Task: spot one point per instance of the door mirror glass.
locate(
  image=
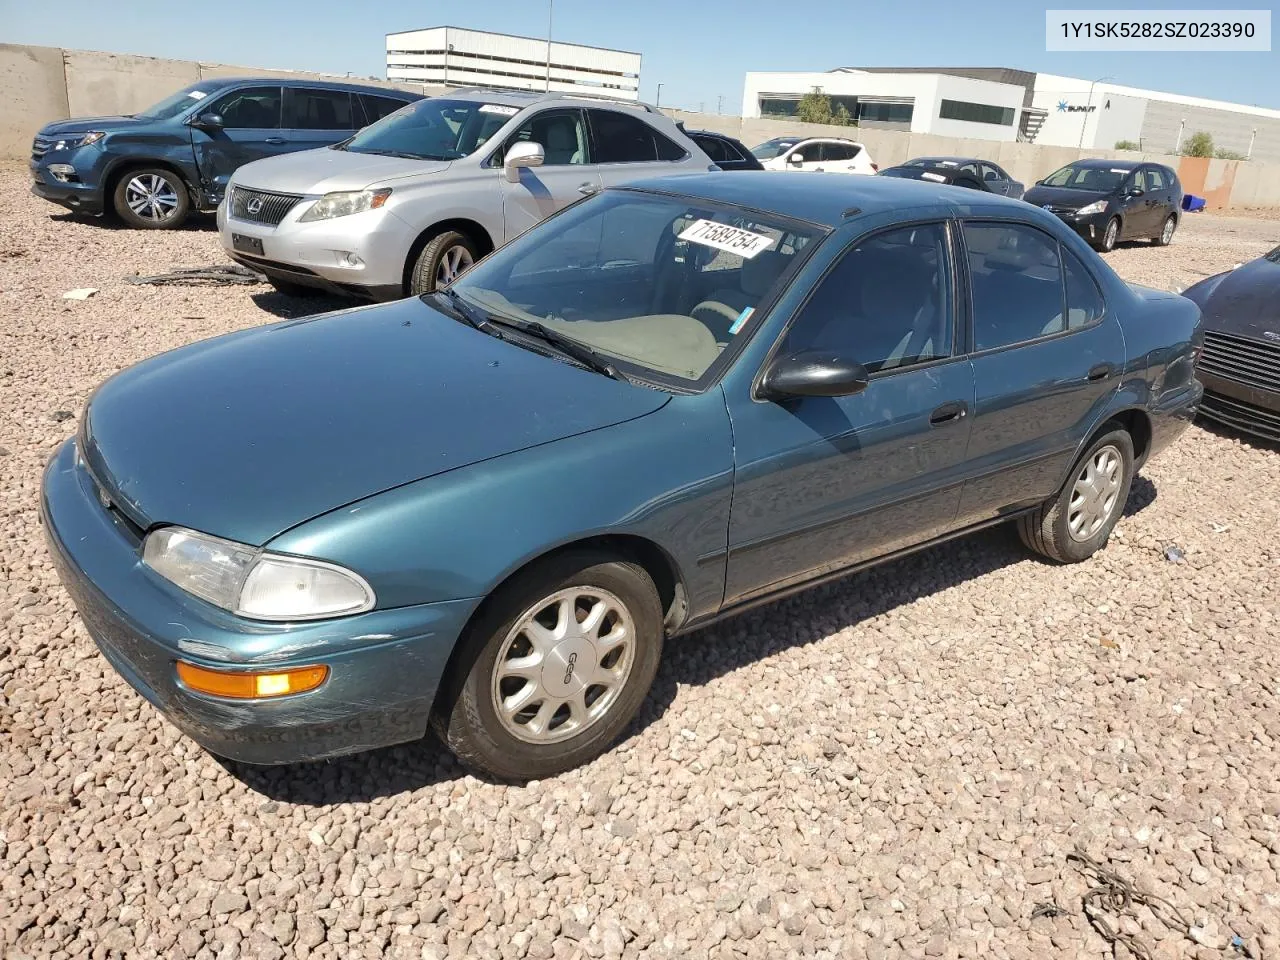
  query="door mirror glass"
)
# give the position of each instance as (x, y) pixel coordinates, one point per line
(796, 158)
(815, 373)
(1136, 191)
(208, 121)
(523, 154)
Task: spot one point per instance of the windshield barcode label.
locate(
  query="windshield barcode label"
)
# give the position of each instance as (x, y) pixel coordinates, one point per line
(724, 237)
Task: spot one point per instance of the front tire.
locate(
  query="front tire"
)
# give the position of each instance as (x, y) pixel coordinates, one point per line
(1165, 236)
(152, 198)
(554, 668)
(1077, 523)
(1109, 236)
(445, 258)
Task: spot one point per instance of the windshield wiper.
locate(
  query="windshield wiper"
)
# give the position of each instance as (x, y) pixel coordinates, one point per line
(470, 315)
(571, 348)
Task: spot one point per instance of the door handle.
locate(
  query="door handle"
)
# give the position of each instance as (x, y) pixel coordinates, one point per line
(948, 413)
(587, 189)
(1101, 372)
(276, 141)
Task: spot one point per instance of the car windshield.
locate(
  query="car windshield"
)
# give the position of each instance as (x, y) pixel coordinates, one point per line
(1075, 176)
(175, 104)
(435, 129)
(772, 148)
(662, 283)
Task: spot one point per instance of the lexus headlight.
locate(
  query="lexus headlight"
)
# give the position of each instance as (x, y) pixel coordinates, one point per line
(345, 203)
(1096, 207)
(80, 140)
(254, 583)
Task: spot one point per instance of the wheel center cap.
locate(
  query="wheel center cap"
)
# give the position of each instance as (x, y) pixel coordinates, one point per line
(568, 666)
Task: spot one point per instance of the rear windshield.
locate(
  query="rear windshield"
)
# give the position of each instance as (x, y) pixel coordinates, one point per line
(1075, 176)
(435, 129)
(176, 104)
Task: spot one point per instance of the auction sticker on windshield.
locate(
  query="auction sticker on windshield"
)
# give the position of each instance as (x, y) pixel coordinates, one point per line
(724, 237)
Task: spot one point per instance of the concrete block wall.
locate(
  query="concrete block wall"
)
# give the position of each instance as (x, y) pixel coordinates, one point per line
(49, 83)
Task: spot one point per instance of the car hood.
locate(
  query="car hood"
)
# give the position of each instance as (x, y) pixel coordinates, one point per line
(63, 128)
(248, 435)
(326, 169)
(1063, 197)
(1245, 301)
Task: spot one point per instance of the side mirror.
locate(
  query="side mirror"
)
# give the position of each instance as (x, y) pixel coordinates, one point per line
(1136, 192)
(208, 122)
(796, 158)
(524, 154)
(814, 373)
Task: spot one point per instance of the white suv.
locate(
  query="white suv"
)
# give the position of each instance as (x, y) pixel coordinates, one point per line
(412, 201)
(815, 155)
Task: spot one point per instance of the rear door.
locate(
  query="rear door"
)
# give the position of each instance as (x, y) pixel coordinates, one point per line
(994, 178)
(1163, 198)
(1047, 357)
(566, 174)
(251, 130)
(315, 117)
(625, 148)
(376, 107)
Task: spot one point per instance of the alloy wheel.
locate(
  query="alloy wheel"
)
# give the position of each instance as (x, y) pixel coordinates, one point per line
(563, 665)
(151, 197)
(1113, 231)
(1167, 233)
(1096, 490)
(453, 264)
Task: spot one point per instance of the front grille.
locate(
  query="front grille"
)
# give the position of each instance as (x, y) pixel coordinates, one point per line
(1241, 416)
(1061, 211)
(260, 206)
(1255, 363)
(40, 146)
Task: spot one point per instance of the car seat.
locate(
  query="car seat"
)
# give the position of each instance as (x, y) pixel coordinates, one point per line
(722, 309)
(559, 138)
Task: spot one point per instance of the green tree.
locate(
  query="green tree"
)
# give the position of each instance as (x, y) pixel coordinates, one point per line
(1127, 145)
(1222, 153)
(1199, 145)
(815, 107)
(842, 117)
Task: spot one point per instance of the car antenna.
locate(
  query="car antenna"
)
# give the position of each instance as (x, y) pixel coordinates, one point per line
(851, 212)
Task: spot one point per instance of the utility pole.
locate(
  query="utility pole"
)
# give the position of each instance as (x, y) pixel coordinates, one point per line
(719, 103)
(551, 7)
(658, 102)
(1085, 122)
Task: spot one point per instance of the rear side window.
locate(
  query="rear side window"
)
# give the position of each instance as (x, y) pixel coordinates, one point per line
(250, 108)
(1085, 305)
(623, 138)
(309, 109)
(839, 151)
(375, 108)
(1016, 279)
(713, 148)
(1155, 179)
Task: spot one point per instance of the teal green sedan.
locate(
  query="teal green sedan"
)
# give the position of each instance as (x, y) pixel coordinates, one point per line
(484, 510)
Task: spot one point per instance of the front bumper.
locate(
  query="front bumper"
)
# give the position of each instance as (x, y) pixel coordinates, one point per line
(1241, 406)
(82, 197)
(385, 665)
(1091, 227)
(319, 253)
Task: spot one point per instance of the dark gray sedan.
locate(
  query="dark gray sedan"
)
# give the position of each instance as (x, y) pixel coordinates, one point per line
(991, 174)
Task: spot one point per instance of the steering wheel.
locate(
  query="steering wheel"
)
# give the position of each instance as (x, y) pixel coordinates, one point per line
(716, 311)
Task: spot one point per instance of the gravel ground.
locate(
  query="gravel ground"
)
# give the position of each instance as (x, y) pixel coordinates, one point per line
(894, 765)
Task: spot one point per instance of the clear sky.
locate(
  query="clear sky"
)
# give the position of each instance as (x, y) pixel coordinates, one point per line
(697, 51)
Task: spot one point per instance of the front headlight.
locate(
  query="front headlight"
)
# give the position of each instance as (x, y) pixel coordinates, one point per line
(1098, 206)
(345, 203)
(80, 140)
(254, 583)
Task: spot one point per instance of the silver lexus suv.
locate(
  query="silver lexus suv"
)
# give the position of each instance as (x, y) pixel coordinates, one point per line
(413, 200)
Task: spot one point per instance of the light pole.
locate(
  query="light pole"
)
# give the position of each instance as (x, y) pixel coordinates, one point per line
(551, 8)
(1252, 137)
(1177, 147)
(719, 103)
(1085, 122)
(658, 102)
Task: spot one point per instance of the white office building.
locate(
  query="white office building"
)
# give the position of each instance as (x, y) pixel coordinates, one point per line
(993, 103)
(453, 57)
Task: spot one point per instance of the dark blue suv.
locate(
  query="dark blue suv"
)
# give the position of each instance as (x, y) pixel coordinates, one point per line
(153, 167)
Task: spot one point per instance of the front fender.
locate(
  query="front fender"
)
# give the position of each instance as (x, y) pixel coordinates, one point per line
(666, 477)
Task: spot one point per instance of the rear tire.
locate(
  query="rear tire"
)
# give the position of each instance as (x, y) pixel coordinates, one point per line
(1109, 236)
(1077, 523)
(151, 198)
(1165, 236)
(553, 669)
(445, 258)
(291, 289)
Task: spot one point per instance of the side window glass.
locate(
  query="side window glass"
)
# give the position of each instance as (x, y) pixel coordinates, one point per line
(990, 173)
(970, 168)
(250, 108)
(306, 109)
(625, 138)
(1017, 284)
(1085, 305)
(670, 150)
(714, 149)
(561, 133)
(1155, 181)
(886, 304)
(375, 108)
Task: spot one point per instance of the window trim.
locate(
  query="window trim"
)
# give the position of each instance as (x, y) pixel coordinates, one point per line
(971, 340)
(955, 355)
(654, 131)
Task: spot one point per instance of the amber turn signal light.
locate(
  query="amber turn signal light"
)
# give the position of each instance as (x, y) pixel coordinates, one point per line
(240, 685)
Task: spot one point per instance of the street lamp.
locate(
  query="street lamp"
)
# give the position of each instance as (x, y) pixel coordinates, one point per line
(658, 102)
(1085, 122)
(551, 7)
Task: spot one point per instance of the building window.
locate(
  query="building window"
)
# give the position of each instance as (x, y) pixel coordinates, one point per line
(884, 112)
(976, 112)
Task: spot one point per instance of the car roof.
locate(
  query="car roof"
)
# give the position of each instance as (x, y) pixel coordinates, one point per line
(941, 160)
(521, 99)
(825, 198)
(1094, 163)
(222, 83)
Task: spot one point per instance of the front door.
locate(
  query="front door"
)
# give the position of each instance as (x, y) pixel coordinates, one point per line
(822, 483)
(251, 130)
(1047, 359)
(566, 174)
